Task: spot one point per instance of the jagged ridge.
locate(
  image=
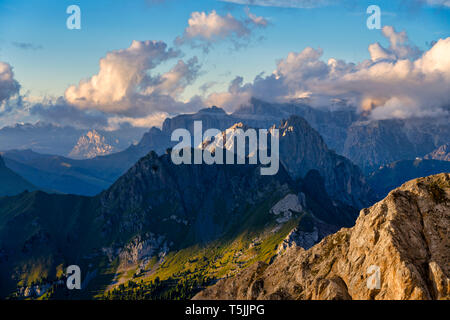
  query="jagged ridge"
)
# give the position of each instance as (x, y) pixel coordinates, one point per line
(405, 235)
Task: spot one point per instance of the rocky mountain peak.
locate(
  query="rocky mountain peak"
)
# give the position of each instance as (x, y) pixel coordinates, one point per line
(441, 153)
(398, 249)
(91, 145)
(302, 149)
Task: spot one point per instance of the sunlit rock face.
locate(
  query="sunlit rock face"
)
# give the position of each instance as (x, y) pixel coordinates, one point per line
(398, 249)
(91, 145)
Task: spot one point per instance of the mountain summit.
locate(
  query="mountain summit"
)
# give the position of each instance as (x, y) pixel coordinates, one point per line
(91, 145)
(403, 239)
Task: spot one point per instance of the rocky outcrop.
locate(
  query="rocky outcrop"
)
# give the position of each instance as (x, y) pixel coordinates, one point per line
(91, 145)
(442, 153)
(398, 249)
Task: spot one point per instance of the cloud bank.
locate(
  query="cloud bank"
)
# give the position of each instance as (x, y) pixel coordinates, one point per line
(397, 82)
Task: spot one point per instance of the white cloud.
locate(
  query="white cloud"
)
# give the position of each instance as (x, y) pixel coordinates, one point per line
(8, 85)
(258, 21)
(173, 82)
(153, 120)
(204, 29)
(396, 82)
(125, 86)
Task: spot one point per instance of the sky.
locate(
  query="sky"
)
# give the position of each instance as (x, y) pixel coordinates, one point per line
(139, 61)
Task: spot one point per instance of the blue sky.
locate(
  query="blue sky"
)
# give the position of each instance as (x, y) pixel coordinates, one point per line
(58, 57)
(69, 55)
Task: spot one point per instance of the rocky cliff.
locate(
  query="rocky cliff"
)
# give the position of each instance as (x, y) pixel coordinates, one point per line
(91, 145)
(442, 153)
(398, 249)
(302, 149)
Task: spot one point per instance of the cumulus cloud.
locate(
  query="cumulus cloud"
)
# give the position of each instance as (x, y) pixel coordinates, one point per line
(9, 87)
(398, 81)
(204, 29)
(125, 86)
(399, 46)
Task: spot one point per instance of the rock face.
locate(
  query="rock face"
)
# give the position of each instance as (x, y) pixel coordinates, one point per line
(153, 140)
(202, 201)
(441, 153)
(370, 144)
(398, 249)
(90, 146)
(302, 149)
(331, 124)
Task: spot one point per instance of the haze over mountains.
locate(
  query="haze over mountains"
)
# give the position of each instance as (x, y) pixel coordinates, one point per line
(49, 138)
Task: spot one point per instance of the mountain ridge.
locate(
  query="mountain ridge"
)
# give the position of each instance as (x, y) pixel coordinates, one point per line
(11, 183)
(402, 236)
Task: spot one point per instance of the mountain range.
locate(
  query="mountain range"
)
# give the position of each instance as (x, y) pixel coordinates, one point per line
(48, 138)
(157, 212)
(141, 227)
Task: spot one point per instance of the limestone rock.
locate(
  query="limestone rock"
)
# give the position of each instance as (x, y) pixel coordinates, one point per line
(403, 240)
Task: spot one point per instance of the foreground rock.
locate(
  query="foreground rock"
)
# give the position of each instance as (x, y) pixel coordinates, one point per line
(405, 236)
